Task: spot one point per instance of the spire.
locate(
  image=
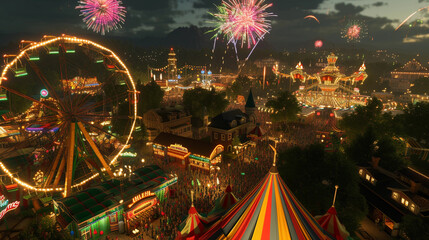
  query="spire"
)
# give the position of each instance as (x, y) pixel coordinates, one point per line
(335, 195)
(250, 103)
(362, 68)
(274, 168)
(299, 66)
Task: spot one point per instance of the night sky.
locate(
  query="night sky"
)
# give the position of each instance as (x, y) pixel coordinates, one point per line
(290, 29)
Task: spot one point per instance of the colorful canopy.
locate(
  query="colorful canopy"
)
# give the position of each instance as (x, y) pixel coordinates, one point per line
(269, 211)
(332, 224)
(193, 226)
(222, 204)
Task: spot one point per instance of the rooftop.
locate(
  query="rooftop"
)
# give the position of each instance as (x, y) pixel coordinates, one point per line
(223, 120)
(199, 147)
(89, 203)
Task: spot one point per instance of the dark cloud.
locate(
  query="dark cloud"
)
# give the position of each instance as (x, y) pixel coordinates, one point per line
(206, 4)
(143, 17)
(379, 4)
(277, 4)
(157, 17)
(348, 9)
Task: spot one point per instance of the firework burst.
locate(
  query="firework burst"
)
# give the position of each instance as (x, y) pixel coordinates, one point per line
(102, 15)
(354, 31)
(318, 44)
(244, 21)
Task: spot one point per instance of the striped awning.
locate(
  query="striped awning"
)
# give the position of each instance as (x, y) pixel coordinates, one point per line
(269, 211)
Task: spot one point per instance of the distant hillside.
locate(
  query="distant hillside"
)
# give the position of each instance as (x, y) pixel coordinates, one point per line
(190, 37)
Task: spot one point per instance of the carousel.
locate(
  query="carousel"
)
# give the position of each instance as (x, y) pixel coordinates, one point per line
(329, 88)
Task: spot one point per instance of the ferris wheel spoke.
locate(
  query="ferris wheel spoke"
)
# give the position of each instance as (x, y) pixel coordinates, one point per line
(54, 166)
(44, 80)
(20, 122)
(30, 98)
(95, 149)
(96, 127)
(101, 103)
(105, 116)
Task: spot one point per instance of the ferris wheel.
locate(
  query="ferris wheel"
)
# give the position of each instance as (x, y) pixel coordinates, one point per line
(73, 106)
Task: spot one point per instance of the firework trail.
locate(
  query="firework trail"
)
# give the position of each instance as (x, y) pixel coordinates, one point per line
(406, 19)
(312, 17)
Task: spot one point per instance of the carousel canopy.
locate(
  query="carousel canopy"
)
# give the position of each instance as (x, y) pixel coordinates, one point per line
(332, 224)
(269, 211)
(222, 204)
(193, 226)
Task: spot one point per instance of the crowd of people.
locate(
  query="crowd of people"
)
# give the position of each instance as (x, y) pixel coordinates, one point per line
(202, 188)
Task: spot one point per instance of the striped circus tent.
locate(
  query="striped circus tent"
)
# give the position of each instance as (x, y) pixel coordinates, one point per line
(269, 211)
(332, 224)
(193, 226)
(222, 204)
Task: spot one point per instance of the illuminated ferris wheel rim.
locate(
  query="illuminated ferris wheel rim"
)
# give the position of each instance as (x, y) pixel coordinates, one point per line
(74, 40)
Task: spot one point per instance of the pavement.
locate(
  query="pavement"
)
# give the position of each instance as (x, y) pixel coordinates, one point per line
(370, 231)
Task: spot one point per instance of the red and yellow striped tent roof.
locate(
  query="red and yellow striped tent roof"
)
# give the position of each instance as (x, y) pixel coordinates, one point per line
(269, 211)
(193, 226)
(332, 224)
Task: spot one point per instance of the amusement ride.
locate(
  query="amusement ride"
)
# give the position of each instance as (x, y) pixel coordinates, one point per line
(64, 96)
(329, 88)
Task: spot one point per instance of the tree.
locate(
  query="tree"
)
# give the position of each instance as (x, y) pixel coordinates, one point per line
(43, 228)
(238, 87)
(415, 227)
(151, 96)
(375, 72)
(371, 115)
(200, 102)
(365, 146)
(286, 107)
(416, 121)
(311, 174)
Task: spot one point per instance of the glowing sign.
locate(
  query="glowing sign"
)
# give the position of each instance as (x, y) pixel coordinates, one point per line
(44, 93)
(141, 196)
(9, 207)
(143, 206)
(178, 147)
(128, 154)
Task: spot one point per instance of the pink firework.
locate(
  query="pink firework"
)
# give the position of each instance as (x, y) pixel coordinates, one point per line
(318, 44)
(244, 20)
(353, 32)
(102, 15)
